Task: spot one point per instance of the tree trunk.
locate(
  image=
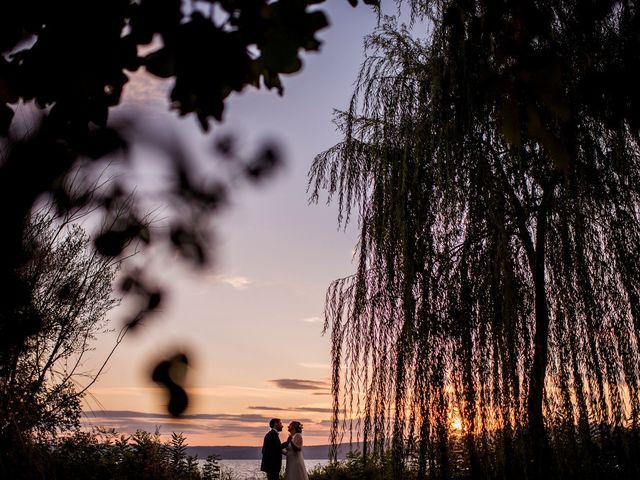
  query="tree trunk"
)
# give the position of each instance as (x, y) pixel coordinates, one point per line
(536, 380)
(537, 434)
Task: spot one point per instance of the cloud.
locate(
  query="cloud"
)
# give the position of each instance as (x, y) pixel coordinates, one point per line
(322, 366)
(116, 415)
(356, 422)
(260, 407)
(219, 429)
(315, 409)
(143, 91)
(297, 384)
(218, 426)
(293, 409)
(238, 282)
(311, 320)
(124, 414)
(128, 422)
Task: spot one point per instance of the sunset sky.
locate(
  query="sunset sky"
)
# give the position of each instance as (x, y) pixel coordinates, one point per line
(251, 324)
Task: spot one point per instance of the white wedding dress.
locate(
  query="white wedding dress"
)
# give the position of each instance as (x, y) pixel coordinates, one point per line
(295, 469)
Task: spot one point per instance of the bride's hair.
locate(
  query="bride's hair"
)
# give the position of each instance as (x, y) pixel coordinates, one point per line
(297, 426)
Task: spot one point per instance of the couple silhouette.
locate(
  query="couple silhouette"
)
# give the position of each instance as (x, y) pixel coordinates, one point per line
(273, 450)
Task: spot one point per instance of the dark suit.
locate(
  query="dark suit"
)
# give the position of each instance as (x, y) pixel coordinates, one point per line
(272, 455)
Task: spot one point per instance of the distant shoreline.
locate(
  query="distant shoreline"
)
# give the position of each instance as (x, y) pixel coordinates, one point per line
(311, 452)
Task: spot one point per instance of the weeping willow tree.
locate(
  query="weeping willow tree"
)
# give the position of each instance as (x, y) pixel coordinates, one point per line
(492, 327)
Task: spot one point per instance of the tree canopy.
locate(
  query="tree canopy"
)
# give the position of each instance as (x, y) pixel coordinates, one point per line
(72, 291)
(79, 68)
(494, 164)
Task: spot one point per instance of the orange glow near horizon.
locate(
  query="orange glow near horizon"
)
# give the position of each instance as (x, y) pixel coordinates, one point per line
(221, 416)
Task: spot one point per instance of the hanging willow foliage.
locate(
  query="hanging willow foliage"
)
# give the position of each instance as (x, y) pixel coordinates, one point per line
(492, 327)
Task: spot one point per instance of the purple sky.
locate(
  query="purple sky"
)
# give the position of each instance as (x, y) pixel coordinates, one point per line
(252, 323)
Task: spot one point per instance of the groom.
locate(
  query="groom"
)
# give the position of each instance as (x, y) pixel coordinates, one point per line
(272, 450)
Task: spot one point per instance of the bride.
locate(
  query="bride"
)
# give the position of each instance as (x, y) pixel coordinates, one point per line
(295, 469)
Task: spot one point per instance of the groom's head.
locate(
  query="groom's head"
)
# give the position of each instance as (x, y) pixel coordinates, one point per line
(276, 423)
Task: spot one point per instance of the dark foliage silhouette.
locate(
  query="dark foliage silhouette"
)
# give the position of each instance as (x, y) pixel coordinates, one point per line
(171, 375)
(72, 292)
(106, 454)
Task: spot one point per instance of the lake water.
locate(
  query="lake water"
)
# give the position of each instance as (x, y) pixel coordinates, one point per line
(250, 469)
